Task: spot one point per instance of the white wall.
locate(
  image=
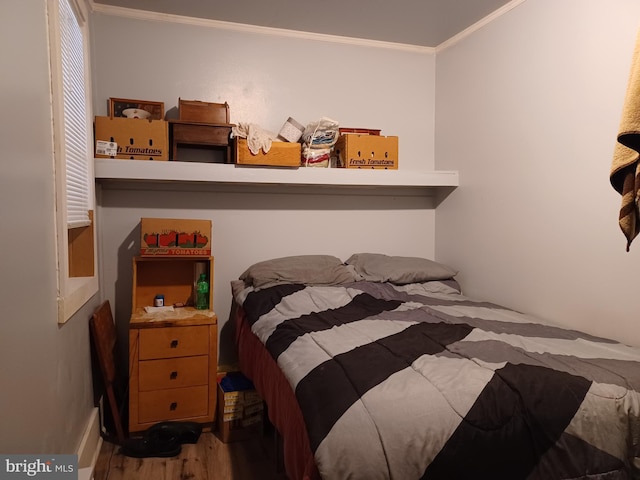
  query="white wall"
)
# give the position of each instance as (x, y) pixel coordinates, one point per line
(46, 381)
(265, 79)
(527, 110)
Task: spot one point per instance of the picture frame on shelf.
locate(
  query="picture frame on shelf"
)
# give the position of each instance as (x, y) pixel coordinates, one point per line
(126, 107)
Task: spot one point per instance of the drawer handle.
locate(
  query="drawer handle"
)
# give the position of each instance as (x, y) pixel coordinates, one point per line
(174, 343)
(173, 406)
(173, 375)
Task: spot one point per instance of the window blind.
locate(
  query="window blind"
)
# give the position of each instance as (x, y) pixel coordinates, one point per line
(75, 118)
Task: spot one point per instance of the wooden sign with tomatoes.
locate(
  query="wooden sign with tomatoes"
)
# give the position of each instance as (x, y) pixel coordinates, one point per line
(173, 237)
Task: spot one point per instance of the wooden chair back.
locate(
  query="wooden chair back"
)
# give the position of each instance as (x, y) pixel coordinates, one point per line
(103, 333)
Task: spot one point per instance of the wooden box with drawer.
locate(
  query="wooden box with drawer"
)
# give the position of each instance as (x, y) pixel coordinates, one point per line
(172, 355)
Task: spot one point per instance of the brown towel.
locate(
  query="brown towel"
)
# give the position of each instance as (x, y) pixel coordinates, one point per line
(625, 169)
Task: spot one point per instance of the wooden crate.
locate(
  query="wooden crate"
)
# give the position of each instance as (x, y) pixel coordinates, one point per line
(240, 414)
(166, 237)
(203, 112)
(173, 277)
(367, 151)
(136, 139)
(361, 131)
(281, 154)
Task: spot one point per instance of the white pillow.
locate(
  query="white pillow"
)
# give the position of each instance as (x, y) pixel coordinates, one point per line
(305, 269)
(377, 267)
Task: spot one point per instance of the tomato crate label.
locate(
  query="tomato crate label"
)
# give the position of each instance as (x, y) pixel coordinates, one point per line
(171, 237)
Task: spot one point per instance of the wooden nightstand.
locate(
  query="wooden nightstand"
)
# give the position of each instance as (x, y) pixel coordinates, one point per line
(173, 356)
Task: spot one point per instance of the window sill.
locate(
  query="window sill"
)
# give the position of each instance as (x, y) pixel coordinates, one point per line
(78, 291)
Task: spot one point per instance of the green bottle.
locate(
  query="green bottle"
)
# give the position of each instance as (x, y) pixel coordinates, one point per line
(202, 293)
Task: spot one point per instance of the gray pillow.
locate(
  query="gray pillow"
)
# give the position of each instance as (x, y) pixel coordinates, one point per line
(306, 269)
(377, 267)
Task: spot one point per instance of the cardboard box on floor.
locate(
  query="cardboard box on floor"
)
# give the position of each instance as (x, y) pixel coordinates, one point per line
(240, 414)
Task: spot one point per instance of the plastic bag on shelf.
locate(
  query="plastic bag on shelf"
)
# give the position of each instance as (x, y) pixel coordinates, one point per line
(321, 134)
(316, 157)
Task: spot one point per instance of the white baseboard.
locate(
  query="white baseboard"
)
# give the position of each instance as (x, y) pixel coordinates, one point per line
(90, 446)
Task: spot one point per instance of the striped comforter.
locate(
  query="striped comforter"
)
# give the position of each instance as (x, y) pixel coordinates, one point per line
(419, 381)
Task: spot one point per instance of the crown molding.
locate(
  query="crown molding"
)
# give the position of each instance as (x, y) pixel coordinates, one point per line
(478, 25)
(253, 29)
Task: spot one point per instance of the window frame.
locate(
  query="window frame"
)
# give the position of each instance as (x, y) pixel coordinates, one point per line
(72, 291)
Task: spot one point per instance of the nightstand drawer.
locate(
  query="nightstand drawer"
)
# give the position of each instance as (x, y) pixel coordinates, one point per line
(174, 342)
(173, 373)
(158, 405)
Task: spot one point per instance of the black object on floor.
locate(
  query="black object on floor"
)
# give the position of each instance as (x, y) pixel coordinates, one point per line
(151, 446)
(163, 439)
(184, 432)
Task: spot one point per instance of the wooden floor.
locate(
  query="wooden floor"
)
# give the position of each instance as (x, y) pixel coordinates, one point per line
(209, 459)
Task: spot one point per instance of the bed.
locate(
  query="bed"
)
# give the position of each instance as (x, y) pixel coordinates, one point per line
(379, 367)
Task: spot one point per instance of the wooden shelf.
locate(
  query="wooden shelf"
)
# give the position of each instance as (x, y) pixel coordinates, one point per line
(189, 173)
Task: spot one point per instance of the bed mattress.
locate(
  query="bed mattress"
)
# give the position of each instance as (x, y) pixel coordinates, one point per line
(418, 381)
